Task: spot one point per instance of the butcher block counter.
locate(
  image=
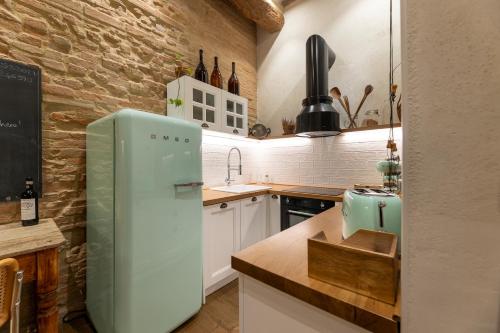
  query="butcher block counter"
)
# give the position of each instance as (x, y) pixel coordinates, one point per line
(211, 197)
(280, 262)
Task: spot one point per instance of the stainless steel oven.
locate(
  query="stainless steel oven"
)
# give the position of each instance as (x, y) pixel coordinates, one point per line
(295, 209)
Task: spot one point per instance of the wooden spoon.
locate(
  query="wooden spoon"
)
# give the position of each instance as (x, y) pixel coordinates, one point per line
(351, 124)
(368, 91)
(335, 92)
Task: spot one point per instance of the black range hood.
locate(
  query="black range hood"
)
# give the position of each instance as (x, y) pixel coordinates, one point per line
(318, 116)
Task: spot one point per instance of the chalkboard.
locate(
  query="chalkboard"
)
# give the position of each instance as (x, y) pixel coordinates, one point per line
(20, 128)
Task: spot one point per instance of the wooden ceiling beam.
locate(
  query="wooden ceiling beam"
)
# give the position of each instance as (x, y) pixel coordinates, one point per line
(265, 13)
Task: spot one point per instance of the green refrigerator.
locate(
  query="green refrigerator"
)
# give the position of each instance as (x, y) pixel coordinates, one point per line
(144, 222)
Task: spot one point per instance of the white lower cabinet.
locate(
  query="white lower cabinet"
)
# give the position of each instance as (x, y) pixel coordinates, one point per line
(253, 220)
(228, 228)
(274, 214)
(221, 238)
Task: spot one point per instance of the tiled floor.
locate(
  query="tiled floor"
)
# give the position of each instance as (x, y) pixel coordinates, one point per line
(218, 315)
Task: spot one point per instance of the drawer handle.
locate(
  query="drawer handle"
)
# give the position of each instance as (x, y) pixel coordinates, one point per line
(235, 131)
(204, 125)
(274, 196)
(223, 205)
(296, 212)
(254, 199)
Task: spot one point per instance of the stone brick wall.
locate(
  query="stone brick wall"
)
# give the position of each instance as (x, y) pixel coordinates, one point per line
(98, 56)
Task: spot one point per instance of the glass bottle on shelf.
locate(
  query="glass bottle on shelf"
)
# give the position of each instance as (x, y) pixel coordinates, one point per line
(201, 73)
(216, 77)
(233, 85)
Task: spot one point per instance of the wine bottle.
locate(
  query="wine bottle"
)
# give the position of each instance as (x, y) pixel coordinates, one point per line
(233, 85)
(201, 73)
(216, 77)
(29, 204)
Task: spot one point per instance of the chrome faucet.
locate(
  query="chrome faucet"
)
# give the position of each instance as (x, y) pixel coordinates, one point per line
(229, 168)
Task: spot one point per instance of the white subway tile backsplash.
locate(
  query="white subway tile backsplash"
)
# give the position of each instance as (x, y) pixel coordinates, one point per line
(321, 180)
(306, 164)
(343, 160)
(308, 180)
(323, 163)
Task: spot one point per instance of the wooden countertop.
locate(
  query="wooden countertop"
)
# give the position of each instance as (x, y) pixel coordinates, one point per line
(16, 240)
(211, 197)
(281, 262)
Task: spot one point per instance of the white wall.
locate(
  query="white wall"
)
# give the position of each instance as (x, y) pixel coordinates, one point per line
(357, 31)
(342, 160)
(451, 214)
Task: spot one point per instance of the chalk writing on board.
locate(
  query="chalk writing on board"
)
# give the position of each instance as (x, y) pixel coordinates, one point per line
(14, 72)
(9, 124)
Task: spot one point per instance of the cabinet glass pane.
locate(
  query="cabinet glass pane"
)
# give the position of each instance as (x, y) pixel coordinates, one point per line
(197, 95)
(230, 121)
(239, 108)
(210, 99)
(210, 116)
(230, 106)
(197, 113)
(239, 122)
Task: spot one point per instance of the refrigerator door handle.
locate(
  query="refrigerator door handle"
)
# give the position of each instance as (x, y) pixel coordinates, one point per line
(192, 184)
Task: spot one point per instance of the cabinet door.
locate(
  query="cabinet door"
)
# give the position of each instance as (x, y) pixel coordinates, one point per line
(221, 238)
(274, 214)
(253, 220)
(234, 114)
(202, 104)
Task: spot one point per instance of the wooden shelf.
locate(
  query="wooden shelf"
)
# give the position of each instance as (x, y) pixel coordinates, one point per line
(345, 130)
(359, 129)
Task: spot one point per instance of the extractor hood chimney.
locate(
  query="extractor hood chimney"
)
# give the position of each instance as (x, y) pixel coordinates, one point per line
(318, 117)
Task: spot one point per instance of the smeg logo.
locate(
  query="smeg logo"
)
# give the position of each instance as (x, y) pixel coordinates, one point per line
(167, 138)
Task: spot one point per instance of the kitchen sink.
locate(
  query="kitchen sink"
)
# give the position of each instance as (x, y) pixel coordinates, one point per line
(241, 188)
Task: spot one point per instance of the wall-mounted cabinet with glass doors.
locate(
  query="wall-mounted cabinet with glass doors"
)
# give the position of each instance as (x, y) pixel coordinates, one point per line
(210, 107)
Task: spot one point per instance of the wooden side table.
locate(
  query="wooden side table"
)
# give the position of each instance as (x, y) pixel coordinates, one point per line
(36, 249)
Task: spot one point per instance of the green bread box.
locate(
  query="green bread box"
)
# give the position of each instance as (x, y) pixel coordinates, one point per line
(372, 209)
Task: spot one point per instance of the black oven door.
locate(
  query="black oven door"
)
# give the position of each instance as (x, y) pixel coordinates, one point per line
(296, 216)
(295, 210)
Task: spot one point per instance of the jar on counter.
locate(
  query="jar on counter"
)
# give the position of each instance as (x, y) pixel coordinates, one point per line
(371, 118)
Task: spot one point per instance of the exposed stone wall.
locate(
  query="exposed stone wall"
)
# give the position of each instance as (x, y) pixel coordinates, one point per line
(98, 56)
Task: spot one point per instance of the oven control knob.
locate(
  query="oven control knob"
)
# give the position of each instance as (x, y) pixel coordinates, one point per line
(322, 205)
(287, 200)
